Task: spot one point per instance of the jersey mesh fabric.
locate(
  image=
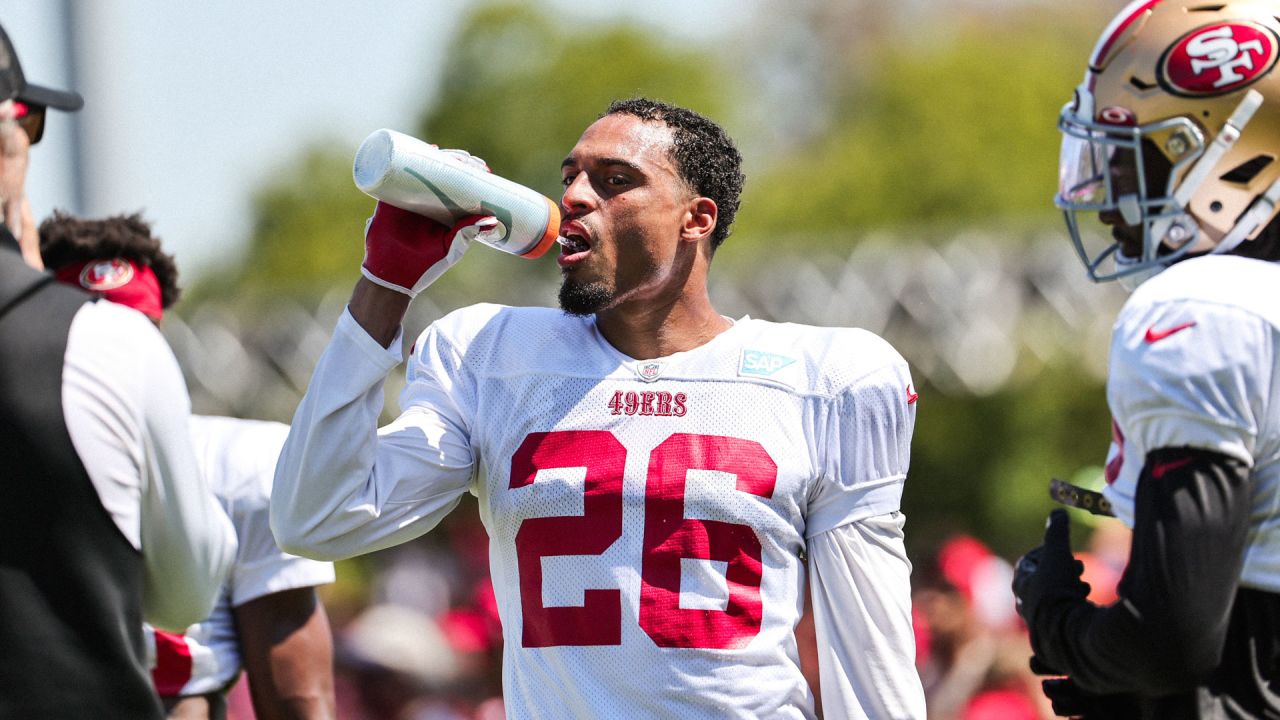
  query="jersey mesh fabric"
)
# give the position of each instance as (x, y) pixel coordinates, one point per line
(1194, 364)
(647, 518)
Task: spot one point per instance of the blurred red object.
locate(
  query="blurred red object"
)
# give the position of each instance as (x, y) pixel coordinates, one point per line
(239, 703)
(983, 577)
(1000, 705)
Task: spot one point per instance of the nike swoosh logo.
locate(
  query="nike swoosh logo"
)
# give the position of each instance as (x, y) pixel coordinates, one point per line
(1158, 471)
(1154, 335)
(912, 395)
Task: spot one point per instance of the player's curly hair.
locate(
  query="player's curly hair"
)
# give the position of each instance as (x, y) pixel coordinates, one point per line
(704, 154)
(66, 239)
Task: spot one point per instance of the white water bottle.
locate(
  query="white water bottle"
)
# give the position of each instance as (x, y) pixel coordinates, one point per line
(412, 175)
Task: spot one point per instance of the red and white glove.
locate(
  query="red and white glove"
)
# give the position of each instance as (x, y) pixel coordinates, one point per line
(406, 252)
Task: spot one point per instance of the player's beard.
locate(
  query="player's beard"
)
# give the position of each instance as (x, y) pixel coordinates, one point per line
(584, 299)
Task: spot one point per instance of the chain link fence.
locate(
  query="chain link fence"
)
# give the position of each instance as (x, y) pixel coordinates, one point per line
(970, 316)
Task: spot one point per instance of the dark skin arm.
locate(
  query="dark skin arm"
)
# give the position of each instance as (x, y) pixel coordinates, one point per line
(378, 310)
(288, 655)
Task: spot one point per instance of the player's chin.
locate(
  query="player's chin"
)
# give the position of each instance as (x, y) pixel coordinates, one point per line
(1128, 238)
(583, 298)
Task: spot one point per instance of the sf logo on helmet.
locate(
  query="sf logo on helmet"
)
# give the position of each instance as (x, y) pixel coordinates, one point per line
(1218, 59)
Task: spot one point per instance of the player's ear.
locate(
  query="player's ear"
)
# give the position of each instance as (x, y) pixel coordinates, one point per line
(699, 219)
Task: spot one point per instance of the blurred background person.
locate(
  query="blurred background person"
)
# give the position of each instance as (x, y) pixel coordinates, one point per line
(400, 666)
(106, 519)
(973, 652)
(268, 619)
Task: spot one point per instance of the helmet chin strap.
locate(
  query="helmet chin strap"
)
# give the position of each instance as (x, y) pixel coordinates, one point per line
(1199, 172)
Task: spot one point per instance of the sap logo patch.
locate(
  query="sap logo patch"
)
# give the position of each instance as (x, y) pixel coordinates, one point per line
(758, 363)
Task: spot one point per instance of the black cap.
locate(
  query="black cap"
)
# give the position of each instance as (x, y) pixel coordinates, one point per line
(14, 85)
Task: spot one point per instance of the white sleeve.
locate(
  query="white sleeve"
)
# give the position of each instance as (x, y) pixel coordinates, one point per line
(860, 581)
(343, 487)
(127, 410)
(866, 449)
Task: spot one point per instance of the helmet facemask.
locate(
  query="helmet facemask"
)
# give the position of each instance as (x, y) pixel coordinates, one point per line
(1165, 152)
(1115, 175)
(1139, 180)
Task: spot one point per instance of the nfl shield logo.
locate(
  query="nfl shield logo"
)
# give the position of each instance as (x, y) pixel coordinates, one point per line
(649, 371)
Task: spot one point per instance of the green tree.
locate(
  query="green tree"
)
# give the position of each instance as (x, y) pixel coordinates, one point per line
(306, 230)
(947, 124)
(982, 465)
(518, 90)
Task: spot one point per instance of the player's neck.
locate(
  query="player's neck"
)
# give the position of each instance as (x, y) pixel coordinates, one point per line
(647, 330)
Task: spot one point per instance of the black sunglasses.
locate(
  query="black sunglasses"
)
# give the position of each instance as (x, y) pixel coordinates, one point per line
(31, 119)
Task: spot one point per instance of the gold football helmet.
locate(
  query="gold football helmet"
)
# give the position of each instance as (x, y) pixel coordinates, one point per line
(1172, 138)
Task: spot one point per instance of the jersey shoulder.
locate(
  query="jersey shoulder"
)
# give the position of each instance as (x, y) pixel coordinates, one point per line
(1203, 315)
(834, 359)
(1193, 356)
(1234, 284)
(502, 338)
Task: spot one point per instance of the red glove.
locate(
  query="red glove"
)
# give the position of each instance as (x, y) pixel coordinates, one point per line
(406, 252)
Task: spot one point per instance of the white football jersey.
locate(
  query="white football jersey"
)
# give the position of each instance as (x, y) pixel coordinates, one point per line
(648, 519)
(1194, 364)
(238, 458)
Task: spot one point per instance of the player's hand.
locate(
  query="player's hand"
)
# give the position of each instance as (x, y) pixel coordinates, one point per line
(1050, 572)
(406, 252)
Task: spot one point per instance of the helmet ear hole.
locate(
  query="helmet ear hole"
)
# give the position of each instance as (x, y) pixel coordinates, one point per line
(1248, 170)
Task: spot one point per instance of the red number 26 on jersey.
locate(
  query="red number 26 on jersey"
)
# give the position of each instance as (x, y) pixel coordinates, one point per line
(669, 537)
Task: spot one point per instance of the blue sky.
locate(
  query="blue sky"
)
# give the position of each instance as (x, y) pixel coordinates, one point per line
(189, 107)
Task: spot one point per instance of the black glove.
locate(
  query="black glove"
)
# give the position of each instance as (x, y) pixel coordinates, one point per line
(1048, 573)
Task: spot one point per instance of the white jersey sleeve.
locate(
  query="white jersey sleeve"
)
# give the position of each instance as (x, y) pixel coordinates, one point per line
(126, 410)
(860, 587)
(343, 487)
(860, 576)
(867, 444)
(1204, 386)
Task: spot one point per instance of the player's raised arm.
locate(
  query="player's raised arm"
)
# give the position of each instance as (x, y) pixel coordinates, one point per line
(342, 488)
